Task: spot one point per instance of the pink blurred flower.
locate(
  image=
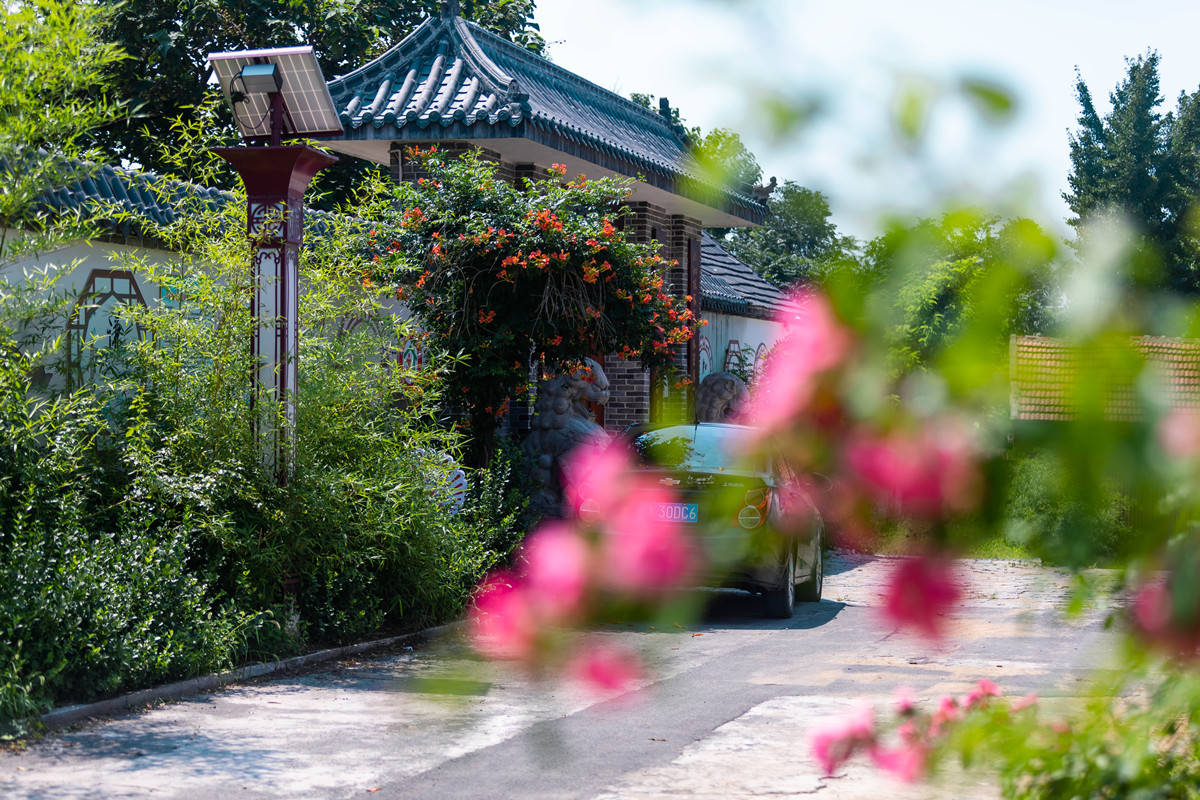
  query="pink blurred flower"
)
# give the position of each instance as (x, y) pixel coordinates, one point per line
(640, 552)
(1156, 618)
(596, 473)
(1025, 702)
(929, 473)
(906, 762)
(981, 693)
(1152, 608)
(906, 703)
(919, 593)
(606, 667)
(556, 569)
(811, 342)
(501, 624)
(836, 743)
(1179, 433)
(948, 711)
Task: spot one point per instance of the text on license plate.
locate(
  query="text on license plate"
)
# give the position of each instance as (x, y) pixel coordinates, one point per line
(678, 512)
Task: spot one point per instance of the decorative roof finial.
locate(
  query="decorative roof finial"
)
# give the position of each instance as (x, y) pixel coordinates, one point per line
(763, 193)
(449, 9)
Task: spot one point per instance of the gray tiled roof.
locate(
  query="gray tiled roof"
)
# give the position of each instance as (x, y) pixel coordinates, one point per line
(729, 286)
(451, 79)
(130, 199)
(143, 195)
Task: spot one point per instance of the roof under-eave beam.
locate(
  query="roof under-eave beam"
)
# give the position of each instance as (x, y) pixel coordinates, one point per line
(450, 80)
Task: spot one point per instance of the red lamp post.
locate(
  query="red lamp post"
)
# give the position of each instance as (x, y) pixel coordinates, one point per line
(269, 87)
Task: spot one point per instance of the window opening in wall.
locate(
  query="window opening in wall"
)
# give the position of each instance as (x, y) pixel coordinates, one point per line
(95, 330)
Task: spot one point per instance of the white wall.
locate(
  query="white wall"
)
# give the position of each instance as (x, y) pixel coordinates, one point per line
(726, 333)
(95, 277)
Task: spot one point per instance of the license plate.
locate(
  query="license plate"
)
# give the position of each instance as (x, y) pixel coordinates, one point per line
(678, 512)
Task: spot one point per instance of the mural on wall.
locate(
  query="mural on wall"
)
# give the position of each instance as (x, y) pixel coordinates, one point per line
(94, 329)
(760, 360)
(448, 481)
(736, 344)
(413, 356)
(733, 356)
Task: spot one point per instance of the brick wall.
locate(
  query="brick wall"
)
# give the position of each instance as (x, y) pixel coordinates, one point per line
(639, 396)
(628, 394)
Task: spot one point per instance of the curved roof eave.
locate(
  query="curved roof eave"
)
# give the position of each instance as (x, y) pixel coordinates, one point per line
(441, 83)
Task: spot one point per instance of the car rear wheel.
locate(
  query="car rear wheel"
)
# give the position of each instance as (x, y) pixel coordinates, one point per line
(781, 602)
(810, 590)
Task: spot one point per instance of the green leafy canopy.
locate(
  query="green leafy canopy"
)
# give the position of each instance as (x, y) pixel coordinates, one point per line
(168, 43)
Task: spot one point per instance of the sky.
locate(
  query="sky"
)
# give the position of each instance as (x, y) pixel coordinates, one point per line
(718, 59)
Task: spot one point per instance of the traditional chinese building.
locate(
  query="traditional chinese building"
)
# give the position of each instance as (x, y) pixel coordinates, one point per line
(454, 84)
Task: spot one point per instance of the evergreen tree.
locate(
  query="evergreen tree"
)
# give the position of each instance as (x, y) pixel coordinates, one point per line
(1141, 162)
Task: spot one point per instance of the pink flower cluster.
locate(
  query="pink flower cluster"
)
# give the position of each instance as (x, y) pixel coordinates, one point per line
(813, 341)
(929, 472)
(1161, 623)
(907, 758)
(920, 593)
(897, 464)
(614, 547)
(1178, 434)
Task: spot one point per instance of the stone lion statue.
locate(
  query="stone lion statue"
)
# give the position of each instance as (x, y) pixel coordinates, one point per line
(720, 397)
(562, 422)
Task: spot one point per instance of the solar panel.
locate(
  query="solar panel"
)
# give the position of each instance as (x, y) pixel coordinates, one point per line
(308, 108)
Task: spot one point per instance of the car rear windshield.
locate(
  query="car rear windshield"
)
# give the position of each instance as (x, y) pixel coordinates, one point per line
(694, 448)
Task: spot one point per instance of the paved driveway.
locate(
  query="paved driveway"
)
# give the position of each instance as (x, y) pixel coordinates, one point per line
(724, 714)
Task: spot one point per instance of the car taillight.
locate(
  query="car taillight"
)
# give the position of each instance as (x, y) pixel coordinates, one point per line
(758, 498)
(753, 512)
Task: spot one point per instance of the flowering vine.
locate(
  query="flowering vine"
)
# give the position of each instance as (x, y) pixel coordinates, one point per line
(511, 276)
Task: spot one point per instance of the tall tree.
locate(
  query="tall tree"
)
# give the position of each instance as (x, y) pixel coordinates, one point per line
(941, 276)
(169, 40)
(797, 239)
(724, 158)
(1142, 162)
(52, 94)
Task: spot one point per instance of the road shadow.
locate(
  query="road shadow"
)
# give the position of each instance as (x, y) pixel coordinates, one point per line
(138, 743)
(731, 608)
(840, 561)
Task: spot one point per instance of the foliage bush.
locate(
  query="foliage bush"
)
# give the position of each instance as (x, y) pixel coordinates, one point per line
(96, 594)
(141, 540)
(1050, 519)
(361, 525)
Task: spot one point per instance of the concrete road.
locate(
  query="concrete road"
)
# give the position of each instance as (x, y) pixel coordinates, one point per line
(724, 713)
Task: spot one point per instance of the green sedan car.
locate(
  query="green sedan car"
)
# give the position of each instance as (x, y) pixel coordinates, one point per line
(754, 518)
